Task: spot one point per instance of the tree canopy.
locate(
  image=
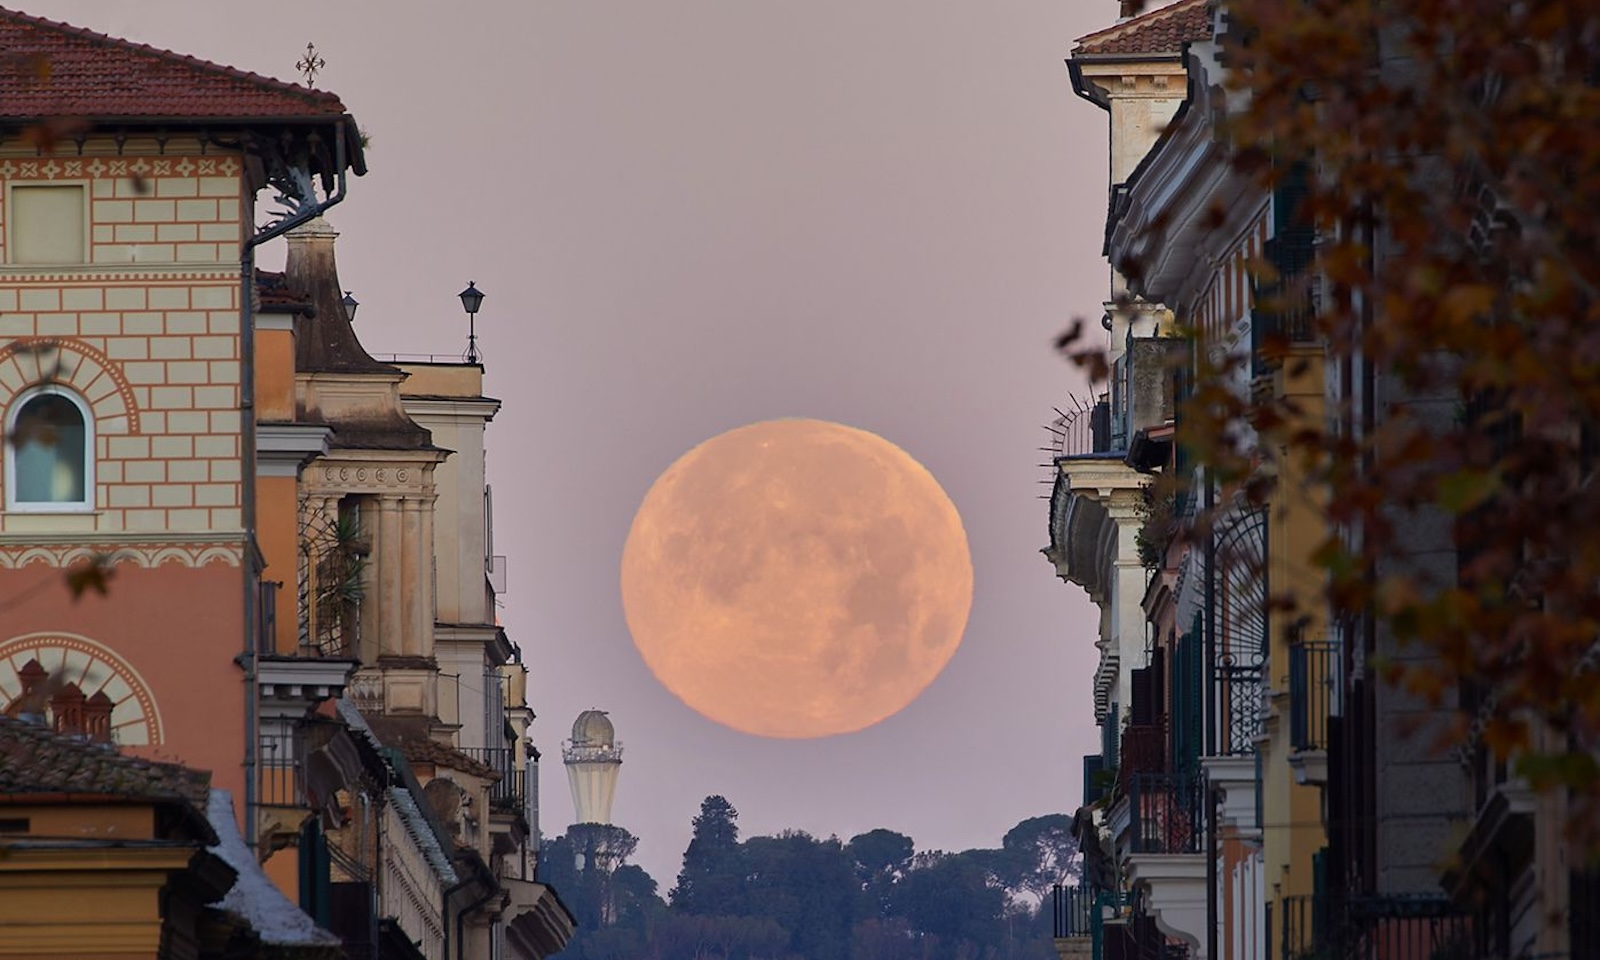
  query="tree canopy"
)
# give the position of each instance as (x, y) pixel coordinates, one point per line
(793, 896)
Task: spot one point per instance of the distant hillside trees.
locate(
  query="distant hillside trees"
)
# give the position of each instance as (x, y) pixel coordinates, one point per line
(793, 896)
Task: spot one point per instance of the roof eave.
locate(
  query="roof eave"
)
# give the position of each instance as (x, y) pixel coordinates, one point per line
(355, 156)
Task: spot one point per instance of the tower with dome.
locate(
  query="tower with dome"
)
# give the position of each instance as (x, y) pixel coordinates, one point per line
(593, 758)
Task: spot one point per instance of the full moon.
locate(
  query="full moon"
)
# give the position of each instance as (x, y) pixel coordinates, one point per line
(796, 578)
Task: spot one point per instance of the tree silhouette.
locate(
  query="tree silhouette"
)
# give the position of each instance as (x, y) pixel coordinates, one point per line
(711, 880)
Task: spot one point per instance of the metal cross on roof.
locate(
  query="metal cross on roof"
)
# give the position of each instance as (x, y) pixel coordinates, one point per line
(310, 65)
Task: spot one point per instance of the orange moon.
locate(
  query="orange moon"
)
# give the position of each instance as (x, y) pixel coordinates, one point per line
(796, 578)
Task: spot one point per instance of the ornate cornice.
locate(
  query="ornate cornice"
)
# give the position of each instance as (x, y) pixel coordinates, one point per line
(392, 472)
(19, 550)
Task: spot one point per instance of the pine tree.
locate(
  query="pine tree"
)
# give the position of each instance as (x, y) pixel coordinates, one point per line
(710, 882)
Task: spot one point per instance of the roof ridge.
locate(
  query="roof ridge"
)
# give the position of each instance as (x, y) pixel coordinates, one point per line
(325, 98)
(1147, 17)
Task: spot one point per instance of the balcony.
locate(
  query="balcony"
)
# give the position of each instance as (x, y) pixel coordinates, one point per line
(1079, 915)
(506, 793)
(1144, 751)
(1166, 844)
(1073, 911)
(1165, 813)
(280, 782)
(1314, 673)
(1083, 429)
(1373, 928)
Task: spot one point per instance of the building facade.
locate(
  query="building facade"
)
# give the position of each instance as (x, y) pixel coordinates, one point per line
(1262, 791)
(230, 536)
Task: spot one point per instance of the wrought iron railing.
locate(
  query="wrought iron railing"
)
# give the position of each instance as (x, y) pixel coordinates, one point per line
(1074, 909)
(1313, 682)
(330, 576)
(1144, 750)
(1167, 813)
(279, 769)
(507, 792)
(1238, 704)
(1392, 927)
(1082, 429)
(1302, 926)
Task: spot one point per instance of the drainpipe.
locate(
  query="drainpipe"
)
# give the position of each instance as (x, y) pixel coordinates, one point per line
(461, 920)
(1210, 745)
(1213, 884)
(247, 476)
(444, 915)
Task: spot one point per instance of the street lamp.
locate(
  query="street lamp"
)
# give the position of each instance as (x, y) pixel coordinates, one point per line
(350, 304)
(471, 300)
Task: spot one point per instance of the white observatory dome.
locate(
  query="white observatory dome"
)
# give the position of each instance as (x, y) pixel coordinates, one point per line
(593, 729)
(593, 758)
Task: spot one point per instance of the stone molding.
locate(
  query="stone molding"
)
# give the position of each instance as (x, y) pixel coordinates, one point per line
(388, 474)
(137, 549)
(1176, 886)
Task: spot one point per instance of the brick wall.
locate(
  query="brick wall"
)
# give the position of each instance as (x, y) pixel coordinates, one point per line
(147, 332)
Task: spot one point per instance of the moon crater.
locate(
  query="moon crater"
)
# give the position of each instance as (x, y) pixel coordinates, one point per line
(796, 578)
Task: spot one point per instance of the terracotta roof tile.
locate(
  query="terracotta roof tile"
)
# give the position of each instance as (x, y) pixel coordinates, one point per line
(57, 70)
(35, 759)
(441, 755)
(1163, 30)
(274, 294)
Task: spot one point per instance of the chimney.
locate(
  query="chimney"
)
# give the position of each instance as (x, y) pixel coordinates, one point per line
(326, 341)
(311, 269)
(30, 702)
(97, 717)
(67, 708)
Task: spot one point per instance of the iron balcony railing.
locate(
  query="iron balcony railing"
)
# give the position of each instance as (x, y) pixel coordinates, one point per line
(279, 769)
(507, 792)
(1321, 927)
(1083, 429)
(1074, 911)
(1167, 812)
(1238, 691)
(1313, 686)
(1144, 750)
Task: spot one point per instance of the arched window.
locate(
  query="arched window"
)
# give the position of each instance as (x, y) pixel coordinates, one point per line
(49, 452)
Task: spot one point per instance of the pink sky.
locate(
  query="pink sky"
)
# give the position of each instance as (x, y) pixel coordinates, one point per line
(688, 216)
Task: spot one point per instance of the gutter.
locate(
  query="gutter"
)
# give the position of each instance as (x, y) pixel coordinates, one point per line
(247, 481)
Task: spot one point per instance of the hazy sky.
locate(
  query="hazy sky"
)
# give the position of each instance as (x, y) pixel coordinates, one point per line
(692, 215)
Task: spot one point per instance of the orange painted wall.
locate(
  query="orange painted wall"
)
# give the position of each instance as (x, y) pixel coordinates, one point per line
(124, 821)
(277, 533)
(283, 869)
(274, 376)
(180, 627)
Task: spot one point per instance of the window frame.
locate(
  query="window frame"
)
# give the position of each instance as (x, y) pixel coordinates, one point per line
(11, 223)
(13, 412)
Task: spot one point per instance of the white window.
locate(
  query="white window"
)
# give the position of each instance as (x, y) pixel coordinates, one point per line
(47, 224)
(49, 452)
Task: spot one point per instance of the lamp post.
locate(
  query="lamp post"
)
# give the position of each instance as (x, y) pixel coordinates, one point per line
(471, 300)
(350, 303)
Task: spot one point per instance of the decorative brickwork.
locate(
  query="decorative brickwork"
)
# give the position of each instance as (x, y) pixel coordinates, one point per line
(143, 210)
(71, 362)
